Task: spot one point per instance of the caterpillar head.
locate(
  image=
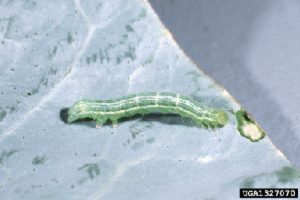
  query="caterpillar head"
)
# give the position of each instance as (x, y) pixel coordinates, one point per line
(76, 112)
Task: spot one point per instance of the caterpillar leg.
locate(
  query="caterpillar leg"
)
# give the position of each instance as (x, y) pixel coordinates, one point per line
(100, 122)
(114, 122)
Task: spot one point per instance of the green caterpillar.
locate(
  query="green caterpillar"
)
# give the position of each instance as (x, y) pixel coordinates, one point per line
(145, 103)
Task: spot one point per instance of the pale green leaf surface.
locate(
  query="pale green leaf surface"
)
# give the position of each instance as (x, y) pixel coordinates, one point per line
(56, 52)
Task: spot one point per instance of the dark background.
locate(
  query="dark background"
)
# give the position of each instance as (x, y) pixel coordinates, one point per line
(252, 48)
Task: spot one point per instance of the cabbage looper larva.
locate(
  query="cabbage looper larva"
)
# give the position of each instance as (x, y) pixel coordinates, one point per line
(145, 103)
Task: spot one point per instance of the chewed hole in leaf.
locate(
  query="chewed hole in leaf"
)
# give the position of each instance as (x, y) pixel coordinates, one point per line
(248, 127)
